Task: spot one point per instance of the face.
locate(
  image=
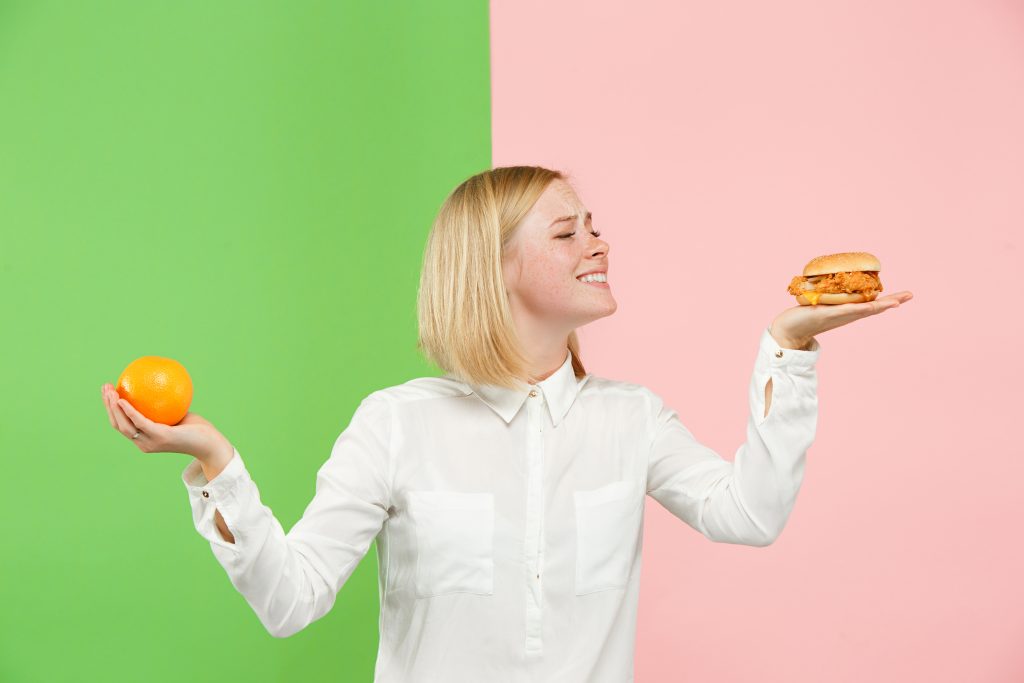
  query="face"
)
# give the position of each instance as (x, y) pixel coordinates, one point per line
(544, 258)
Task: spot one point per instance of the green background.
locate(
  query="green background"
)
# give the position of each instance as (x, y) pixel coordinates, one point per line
(247, 188)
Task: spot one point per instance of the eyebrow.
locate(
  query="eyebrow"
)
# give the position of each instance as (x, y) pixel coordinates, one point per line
(569, 218)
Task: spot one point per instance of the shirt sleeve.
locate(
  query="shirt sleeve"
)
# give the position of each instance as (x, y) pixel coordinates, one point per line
(747, 501)
(291, 580)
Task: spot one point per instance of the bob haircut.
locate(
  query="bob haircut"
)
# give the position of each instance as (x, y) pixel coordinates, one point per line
(465, 322)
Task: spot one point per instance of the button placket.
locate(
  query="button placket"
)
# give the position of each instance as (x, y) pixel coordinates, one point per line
(534, 522)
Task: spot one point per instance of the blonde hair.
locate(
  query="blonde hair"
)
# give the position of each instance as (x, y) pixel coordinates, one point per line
(465, 322)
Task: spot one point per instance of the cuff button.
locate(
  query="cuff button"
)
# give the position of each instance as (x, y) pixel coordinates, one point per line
(206, 494)
(778, 354)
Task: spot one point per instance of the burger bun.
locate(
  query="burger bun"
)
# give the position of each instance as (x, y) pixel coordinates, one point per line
(833, 298)
(845, 262)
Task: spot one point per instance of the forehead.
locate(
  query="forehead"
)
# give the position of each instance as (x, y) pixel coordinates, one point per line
(558, 199)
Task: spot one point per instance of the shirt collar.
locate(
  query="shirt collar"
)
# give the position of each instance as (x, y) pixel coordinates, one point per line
(559, 391)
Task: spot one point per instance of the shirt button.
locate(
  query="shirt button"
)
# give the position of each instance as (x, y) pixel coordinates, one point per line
(205, 494)
(533, 393)
(778, 354)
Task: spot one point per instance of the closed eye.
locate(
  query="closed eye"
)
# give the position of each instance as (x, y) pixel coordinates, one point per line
(596, 233)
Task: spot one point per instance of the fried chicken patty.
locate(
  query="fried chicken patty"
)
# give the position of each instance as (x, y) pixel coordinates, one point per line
(837, 283)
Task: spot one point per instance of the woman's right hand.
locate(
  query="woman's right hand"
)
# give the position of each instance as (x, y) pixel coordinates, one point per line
(194, 435)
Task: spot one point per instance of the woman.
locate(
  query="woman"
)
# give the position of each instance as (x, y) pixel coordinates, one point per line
(506, 496)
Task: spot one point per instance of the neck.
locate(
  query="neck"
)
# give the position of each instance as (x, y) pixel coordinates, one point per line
(545, 356)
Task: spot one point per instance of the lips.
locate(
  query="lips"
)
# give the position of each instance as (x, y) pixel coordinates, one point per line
(603, 285)
(601, 270)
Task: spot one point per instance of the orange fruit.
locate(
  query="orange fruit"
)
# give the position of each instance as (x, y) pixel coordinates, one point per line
(157, 387)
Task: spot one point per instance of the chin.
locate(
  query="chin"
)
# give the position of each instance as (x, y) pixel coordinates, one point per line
(598, 313)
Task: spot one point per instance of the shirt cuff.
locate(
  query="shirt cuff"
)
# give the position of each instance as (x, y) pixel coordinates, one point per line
(781, 357)
(228, 479)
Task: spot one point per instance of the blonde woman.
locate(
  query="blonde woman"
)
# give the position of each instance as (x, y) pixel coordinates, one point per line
(506, 496)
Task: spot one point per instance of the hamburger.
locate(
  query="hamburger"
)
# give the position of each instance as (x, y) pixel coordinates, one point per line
(847, 278)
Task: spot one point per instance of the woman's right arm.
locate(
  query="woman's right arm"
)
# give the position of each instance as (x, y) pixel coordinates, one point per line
(289, 580)
(193, 435)
(211, 468)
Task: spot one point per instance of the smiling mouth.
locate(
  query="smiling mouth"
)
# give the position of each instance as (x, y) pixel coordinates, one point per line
(594, 283)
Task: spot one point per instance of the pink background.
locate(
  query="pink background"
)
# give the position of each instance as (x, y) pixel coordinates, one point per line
(720, 147)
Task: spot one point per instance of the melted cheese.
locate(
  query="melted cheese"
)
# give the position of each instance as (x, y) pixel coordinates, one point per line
(813, 297)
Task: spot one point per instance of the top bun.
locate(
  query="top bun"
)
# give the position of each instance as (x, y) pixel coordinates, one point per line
(846, 262)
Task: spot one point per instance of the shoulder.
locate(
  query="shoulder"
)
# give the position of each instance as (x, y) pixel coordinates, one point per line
(419, 389)
(383, 406)
(632, 392)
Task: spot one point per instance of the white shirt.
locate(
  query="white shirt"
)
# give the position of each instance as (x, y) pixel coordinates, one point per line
(509, 524)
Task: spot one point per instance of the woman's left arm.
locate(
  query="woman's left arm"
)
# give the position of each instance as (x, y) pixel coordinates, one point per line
(796, 327)
(748, 501)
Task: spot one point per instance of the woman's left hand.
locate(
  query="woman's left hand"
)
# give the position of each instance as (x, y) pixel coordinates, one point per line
(794, 327)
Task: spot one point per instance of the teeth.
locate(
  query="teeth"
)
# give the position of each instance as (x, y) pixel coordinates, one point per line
(593, 277)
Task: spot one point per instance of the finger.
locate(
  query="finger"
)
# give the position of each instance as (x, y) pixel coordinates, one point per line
(898, 298)
(124, 425)
(863, 309)
(140, 421)
(110, 412)
(878, 305)
(843, 314)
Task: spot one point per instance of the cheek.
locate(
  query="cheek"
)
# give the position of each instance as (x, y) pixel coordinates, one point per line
(551, 287)
(549, 269)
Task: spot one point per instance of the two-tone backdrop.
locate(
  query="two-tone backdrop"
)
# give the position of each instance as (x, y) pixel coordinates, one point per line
(247, 187)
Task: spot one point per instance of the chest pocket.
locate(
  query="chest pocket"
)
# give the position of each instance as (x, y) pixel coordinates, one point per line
(455, 538)
(609, 521)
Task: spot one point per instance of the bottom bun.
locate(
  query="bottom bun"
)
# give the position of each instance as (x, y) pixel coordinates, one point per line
(832, 299)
